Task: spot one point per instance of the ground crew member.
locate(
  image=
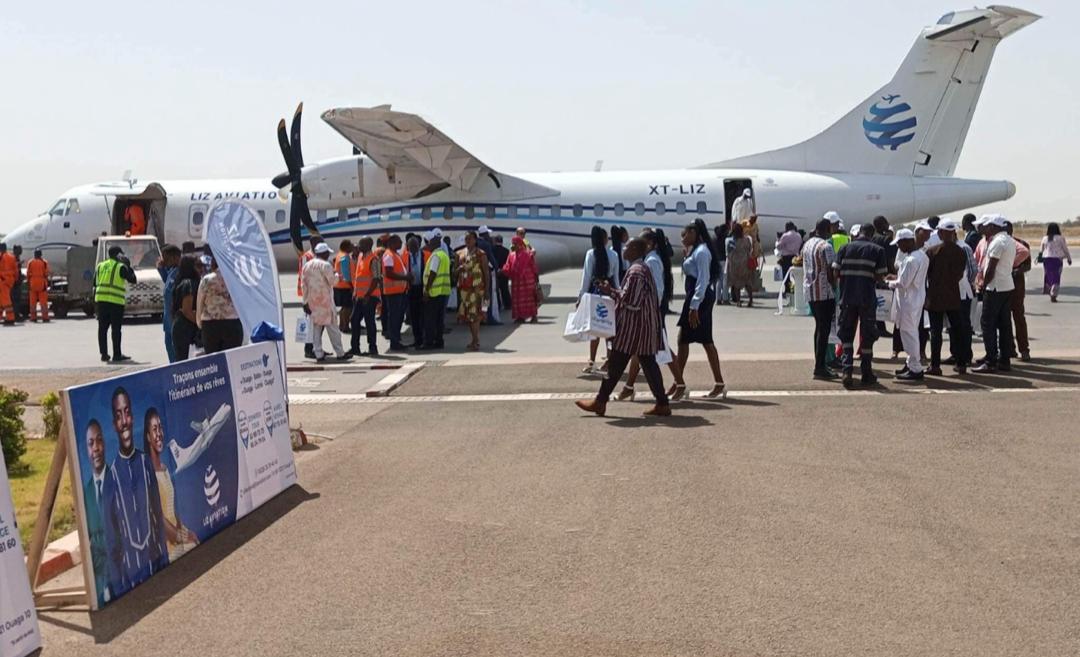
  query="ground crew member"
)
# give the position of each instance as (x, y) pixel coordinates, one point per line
(861, 265)
(436, 292)
(17, 300)
(9, 275)
(37, 275)
(367, 288)
(343, 287)
(110, 292)
(395, 292)
(136, 219)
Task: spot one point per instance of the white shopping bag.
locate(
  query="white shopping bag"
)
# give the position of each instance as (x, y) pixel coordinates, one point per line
(884, 305)
(601, 315)
(664, 356)
(303, 329)
(777, 274)
(575, 330)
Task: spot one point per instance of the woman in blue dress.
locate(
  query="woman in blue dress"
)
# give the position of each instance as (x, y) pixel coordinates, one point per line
(701, 270)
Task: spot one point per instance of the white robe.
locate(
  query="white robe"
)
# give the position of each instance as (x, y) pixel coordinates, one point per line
(742, 208)
(910, 289)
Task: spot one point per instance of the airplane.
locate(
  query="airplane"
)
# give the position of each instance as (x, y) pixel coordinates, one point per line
(207, 430)
(894, 154)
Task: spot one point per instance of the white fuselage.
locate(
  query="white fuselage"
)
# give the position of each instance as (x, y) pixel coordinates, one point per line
(558, 225)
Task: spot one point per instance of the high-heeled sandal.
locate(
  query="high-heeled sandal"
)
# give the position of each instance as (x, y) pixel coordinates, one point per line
(719, 391)
(677, 393)
(626, 394)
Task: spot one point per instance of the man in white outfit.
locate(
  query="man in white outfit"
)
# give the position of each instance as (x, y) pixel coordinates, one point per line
(743, 207)
(909, 286)
(319, 277)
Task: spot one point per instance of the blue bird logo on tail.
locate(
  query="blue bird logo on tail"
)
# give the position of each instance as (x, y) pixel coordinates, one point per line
(891, 124)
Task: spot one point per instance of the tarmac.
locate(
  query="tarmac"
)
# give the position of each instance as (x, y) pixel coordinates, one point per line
(474, 510)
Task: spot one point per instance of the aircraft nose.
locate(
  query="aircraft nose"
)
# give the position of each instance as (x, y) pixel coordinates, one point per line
(1010, 189)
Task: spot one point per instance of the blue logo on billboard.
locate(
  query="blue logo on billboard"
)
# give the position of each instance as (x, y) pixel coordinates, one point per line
(601, 312)
(891, 123)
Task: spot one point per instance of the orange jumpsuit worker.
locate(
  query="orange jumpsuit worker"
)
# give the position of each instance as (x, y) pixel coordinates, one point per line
(37, 276)
(136, 219)
(9, 274)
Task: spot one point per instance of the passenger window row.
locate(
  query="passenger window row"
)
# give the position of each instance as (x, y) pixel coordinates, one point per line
(448, 212)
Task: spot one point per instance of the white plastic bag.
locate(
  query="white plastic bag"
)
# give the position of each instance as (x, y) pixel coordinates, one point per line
(303, 329)
(884, 305)
(573, 331)
(664, 356)
(594, 318)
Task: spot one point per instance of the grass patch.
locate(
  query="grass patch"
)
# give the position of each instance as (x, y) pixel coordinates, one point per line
(27, 483)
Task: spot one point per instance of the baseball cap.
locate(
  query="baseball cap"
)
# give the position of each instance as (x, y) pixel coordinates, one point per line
(923, 225)
(115, 251)
(855, 229)
(322, 247)
(947, 224)
(436, 232)
(903, 234)
(747, 193)
(994, 220)
(429, 235)
(483, 229)
(833, 217)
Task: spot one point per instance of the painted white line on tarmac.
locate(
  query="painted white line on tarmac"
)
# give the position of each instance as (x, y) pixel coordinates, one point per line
(734, 395)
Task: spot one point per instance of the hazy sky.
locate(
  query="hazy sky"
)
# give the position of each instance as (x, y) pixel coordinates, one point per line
(195, 89)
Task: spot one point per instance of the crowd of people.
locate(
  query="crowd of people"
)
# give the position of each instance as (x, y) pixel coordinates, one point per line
(378, 286)
(967, 279)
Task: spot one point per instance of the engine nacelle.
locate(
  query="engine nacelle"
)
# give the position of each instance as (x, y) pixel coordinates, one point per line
(356, 181)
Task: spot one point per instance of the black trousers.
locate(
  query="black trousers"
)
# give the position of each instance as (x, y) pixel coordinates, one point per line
(110, 316)
(434, 321)
(785, 265)
(183, 336)
(363, 314)
(504, 292)
(221, 334)
(823, 312)
(863, 318)
(997, 326)
(617, 361)
(959, 336)
(416, 313)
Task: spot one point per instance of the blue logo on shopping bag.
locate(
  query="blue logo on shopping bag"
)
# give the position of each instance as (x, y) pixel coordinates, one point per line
(601, 311)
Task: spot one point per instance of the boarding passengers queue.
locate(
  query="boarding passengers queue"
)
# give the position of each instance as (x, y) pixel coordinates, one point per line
(965, 275)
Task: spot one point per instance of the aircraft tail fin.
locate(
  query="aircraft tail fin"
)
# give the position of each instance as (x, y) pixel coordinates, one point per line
(917, 123)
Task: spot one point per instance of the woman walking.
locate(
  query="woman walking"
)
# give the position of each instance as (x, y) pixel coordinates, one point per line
(472, 287)
(1054, 249)
(184, 328)
(216, 314)
(601, 266)
(524, 277)
(740, 249)
(695, 322)
(637, 333)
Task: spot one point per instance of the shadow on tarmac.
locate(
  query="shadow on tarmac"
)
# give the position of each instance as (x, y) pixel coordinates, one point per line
(117, 618)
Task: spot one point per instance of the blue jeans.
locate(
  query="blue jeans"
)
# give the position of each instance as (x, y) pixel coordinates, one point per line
(166, 325)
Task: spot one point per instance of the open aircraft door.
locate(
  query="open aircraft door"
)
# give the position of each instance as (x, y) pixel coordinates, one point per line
(733, 189)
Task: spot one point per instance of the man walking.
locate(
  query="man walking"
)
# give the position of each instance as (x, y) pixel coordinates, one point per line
(436, 292)
(820, 277)
(860, 265)
(319, 280)
(997, 285)
(110, 296)
(367, 289)
(909, 286)
(9, 274)
(37, 278)
(946, 279)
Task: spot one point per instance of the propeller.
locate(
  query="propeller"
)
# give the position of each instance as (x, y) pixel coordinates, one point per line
(299, 213)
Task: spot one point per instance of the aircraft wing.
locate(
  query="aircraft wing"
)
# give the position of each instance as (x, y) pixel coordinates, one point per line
(397, 141)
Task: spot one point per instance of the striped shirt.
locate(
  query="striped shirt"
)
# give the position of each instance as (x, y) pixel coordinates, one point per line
(637, 313)
(860, 263)
(818, 257)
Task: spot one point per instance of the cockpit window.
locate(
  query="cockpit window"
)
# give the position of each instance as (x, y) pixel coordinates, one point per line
(73, 207)
(58, 209)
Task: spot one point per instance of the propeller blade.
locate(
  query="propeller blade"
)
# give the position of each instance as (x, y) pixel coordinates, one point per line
(294, 136)
(282, 180)
(286, 151)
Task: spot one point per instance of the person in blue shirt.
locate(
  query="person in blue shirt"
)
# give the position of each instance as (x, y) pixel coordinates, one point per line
(601, 265)
(133, 521)
(494, 312)
(701, 270)
(167, 268)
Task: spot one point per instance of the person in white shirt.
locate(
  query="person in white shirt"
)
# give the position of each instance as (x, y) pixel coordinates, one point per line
(1053, 251)
(909, 285)
(601, 265)
(997, 281)
(743, 207)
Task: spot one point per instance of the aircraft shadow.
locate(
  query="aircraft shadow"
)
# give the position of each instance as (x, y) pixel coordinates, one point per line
(112, 621)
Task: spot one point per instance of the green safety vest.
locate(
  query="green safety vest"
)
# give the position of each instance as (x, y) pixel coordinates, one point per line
(440, 287)
(109, 286)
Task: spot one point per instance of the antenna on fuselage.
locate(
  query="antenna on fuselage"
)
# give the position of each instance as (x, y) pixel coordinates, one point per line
(599, 165)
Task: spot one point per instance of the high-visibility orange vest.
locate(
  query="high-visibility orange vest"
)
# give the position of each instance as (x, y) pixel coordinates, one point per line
(37, 274)
(308, 255)
(136, 219)
(341, 265)
(391, 286)
(363, 278)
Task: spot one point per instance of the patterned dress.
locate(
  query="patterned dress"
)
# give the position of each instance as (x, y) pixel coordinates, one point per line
(470, 287)
(318, 277)
(520, 268)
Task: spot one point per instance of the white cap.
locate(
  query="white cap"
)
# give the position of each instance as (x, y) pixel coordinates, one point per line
(436, 232)
(923, 225)
(993, 220)
(903, 234)
(833, 217)
(429, 235)
(947, 224)
(855, 230)
(205, 259)
(483, 229)
(747, 193)
(322, 247)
